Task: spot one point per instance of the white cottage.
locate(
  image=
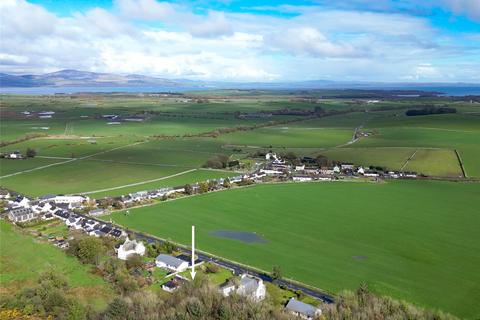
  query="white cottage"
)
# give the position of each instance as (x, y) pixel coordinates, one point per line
(130, 247)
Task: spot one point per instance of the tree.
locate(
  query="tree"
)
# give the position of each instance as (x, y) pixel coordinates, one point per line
(31, 153)
(90, 249)
(321, 160)
(134, 261)
(203, 187)
(226, 183)
(117, 309)
(188, 189)
(212, 185)
(276, 273)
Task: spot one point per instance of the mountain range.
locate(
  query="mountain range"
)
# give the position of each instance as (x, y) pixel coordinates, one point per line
(76, 78)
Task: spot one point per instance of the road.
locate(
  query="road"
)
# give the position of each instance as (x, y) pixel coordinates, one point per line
(235, 267)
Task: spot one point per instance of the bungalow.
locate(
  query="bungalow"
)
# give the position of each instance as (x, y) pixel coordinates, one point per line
(302, 309)
(300, 168)
(130, 247)
(271, 172)
(171, 263)
(347, 166)
(249, 286)
(96, 212)
(302, 178)
(48, 216)
(21, 214)
(116, 233)
(173, 284)
(370, 173)
(327, 171)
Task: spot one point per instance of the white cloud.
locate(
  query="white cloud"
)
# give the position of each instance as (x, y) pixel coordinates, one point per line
(145, 9)
(310, 41)
(469, 7)
(212, 26)
(344, 45)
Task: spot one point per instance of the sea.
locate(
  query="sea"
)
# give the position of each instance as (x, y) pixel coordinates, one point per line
(456, 91)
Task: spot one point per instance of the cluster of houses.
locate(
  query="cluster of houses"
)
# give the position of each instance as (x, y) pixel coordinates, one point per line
(15, 155)
(40, 115)
(308, 170)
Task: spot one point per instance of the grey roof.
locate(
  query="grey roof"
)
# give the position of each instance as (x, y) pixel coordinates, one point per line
(169, 260)
(301, 307)
(249, 284)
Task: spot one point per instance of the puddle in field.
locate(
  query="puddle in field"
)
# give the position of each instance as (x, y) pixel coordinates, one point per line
(359, 257)
(247, 237)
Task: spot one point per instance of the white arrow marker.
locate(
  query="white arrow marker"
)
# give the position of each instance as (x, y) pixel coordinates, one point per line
(192, 273)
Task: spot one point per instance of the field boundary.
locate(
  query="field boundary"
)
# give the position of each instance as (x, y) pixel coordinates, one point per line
(138, 183)
(460, 162)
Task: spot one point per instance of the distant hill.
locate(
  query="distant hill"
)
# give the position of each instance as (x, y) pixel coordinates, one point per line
(77, 78)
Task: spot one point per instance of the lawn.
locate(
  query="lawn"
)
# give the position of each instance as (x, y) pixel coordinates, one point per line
(24, 258)
(413, 240)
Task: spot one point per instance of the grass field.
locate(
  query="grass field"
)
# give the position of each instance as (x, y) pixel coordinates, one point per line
(413, 240)
(23, 259)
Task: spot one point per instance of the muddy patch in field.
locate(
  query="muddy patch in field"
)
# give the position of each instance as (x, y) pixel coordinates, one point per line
(359, 258)
(243, 236)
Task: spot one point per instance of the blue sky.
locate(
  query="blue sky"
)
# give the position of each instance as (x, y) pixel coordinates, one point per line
(230, 40)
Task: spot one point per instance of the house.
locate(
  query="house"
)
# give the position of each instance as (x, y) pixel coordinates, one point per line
(21, 201)
(249, 286)
(360, 170)
(271, 172)
(4, 194)
(166, 261)
(173, 284)
(227, 288)
(347, 166)
(21, 214)
(116, 233)
(130, 247)
(336, 169)
(371, 173)
(96, 212)
(302, 309)
(71, 221)
(14, 155)
(48, 216)
(300, 168)
(327, 171)
(302, 178)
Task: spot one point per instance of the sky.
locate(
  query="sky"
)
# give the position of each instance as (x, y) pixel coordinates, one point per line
(230, 40)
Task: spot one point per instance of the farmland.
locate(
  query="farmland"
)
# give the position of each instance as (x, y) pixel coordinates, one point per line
(412, 240)
(20, 268)
(180, 134)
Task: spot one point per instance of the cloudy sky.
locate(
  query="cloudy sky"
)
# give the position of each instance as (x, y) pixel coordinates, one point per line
(346, 40)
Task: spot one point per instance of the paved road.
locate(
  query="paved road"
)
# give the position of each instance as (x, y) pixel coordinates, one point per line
(237, 268)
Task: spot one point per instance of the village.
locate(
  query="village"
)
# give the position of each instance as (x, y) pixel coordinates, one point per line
(79, 214)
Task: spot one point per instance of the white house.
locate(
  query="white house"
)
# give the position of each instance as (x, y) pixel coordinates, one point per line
(300, 168)
(249, 286)
(361, 170)
(302, 178)
(166, 261)
(21, 202)
(130, 247)
(302, 309)
(336, 169)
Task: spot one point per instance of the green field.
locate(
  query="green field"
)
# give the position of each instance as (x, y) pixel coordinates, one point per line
(23, 259)
(413, 240)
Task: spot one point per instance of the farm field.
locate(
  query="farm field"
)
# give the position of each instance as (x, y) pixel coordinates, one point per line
(412, 240)
(22, 267)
